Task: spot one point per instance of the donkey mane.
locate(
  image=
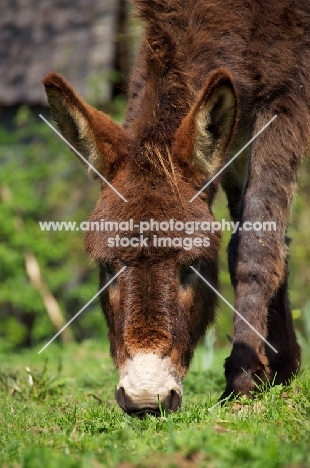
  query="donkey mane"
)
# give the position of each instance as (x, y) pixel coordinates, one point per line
(167, 95)
(177, 12)
(165, 81)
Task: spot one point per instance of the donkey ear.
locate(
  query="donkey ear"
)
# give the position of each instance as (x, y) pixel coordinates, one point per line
(202, 140)
(92, 133)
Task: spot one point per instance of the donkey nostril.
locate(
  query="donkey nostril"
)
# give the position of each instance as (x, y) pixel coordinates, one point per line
(120, 397)
(172, 402)
(176, 400)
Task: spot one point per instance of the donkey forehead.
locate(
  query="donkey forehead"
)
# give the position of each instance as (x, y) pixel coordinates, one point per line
(154, 199)
(150, 191)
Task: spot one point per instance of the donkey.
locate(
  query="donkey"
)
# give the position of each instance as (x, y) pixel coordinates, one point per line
(208, 77)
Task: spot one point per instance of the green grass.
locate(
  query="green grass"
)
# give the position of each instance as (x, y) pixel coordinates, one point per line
(57, 409)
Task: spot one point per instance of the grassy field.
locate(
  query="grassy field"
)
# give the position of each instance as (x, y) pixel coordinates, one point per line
(57, 409)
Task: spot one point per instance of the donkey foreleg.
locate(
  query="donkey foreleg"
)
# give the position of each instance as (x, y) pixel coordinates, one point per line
(258, 258)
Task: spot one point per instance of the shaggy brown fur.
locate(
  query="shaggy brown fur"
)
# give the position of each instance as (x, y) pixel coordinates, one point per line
(199, 61)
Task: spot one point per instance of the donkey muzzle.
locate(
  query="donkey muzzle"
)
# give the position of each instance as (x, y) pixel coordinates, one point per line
(148, 385)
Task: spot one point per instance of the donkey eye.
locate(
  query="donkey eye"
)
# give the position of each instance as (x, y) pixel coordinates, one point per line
(108, 269)
(187, 273)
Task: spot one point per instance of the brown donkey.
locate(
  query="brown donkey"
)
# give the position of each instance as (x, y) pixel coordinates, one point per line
(208, 77)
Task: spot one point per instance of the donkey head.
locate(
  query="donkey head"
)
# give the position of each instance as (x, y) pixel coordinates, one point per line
(157, 308)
